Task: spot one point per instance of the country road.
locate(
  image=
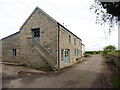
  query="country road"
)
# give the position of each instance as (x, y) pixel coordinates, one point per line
(92, 72)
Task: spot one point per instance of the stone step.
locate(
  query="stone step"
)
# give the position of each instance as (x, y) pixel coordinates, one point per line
(49, 58)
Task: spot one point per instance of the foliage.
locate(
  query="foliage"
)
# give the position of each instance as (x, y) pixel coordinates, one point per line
(43, 68)
(93, 52)
(86, 55)
(90, 52)
(77, 59)
(116, 82)
(116, 52)
(104, 53)
(109, 48)
(40, 68)
(106, 12)
(109, 55)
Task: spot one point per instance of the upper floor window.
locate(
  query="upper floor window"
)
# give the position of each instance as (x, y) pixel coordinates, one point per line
(79, 43)
(69, 39)
(77, 52)
(74, 41)
(14, 52)
(74, 52)
(36, 32)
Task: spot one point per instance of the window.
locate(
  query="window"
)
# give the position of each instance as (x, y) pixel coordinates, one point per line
(74, 41)
(61, 53)
(67, 52)
(79, 43)
(75, 52)
(14, 51)
(69, 39)
(36, 32)
(79, 51)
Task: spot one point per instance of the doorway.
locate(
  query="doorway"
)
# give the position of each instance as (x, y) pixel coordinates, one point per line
(66, 56)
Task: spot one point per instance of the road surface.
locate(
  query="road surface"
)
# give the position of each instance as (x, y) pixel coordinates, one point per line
(92, 72)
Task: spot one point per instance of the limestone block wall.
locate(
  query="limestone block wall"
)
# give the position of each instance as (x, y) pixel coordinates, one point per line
(83, 50)
(48, 37)
(0, 50)
(65, 44)
(114, 59)
(9, 43)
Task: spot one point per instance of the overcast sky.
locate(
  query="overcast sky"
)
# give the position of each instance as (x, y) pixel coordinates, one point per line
(73, 13)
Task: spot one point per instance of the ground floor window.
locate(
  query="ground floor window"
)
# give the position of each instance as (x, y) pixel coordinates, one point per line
(76, 51)
(62, 52)
(14, 52)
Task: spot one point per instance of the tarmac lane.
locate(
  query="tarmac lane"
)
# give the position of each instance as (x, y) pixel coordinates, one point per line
(91, 72)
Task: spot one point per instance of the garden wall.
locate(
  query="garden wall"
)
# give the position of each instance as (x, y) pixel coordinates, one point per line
(115, 59)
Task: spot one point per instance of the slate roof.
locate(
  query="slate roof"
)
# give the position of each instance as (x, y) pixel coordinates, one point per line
(10, 35)
(37, 8)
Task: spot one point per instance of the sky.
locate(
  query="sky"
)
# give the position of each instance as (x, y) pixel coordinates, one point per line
(75, 14)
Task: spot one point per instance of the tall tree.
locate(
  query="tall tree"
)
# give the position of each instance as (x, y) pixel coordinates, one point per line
(107, 11)
(109, 48)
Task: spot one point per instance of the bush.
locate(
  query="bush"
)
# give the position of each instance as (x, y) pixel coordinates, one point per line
(116, 82)
(104, 53)
(93, 52)
(109, 48)
(90, 52)
(86, 55)
(77, 59)
(116, 52)
(43, 68)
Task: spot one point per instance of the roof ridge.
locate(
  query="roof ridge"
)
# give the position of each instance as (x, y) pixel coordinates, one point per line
(46, 14)
(37, 8)
(11, 35)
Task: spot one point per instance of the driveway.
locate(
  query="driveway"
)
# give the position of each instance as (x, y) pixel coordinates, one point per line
(92, 72)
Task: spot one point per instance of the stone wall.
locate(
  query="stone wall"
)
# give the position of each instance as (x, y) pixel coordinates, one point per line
(49, 32)
(9, 43)
(48, 38)
(83, 50)
(64, 43)
(0, 50)
(115, 59)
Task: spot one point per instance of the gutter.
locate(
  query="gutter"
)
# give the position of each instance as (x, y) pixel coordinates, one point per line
(58, 46)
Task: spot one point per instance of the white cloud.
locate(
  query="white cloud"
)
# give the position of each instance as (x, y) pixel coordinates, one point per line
(74, 13)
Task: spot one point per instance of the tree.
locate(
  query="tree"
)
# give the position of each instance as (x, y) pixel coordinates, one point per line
(107, 12)
(109, 48)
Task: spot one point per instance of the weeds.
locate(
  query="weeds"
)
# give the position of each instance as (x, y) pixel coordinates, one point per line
(43, 68)
(116, 82)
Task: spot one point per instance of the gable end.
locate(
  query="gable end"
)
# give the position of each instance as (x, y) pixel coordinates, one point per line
(40, 10)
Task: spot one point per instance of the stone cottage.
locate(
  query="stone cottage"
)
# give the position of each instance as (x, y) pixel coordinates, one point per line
(42, 41)
(83, 50)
